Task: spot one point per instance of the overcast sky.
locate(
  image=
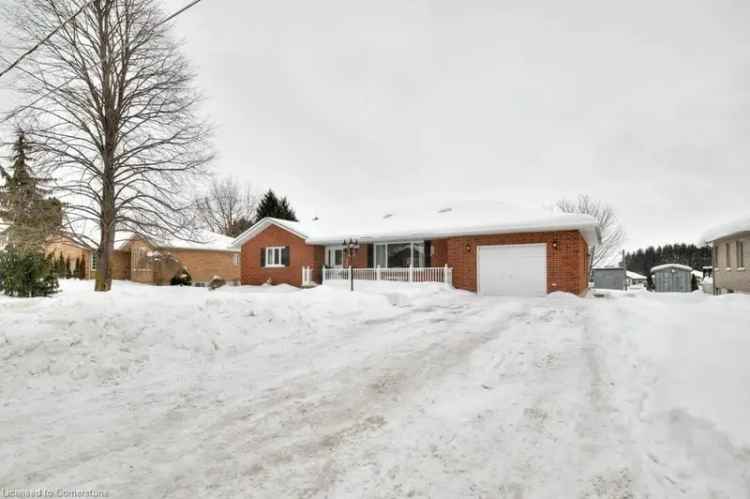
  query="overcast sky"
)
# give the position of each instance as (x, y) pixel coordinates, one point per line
(643, 104)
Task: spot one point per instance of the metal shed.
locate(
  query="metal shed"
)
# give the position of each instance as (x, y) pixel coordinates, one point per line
(672, 278)
(609, 278)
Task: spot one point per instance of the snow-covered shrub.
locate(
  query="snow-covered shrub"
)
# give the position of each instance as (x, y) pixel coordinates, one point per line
(216, 282)
(181, 278)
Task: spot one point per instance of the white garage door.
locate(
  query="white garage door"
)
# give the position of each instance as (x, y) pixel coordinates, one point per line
(512, 270)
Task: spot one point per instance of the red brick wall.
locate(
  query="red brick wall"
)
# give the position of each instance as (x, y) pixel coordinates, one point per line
(300, 255)
(439, 250)
(566, 265)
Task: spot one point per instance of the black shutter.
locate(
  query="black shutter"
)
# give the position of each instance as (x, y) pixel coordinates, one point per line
(285, 256)
(263, 257)
(428, 254)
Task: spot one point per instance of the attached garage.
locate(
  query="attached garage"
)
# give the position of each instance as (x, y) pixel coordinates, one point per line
(512, 270)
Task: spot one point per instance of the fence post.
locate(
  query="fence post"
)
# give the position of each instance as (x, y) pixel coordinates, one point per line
(323, 274)
(411, 273)
(377, 273)
(351, 279)
(446, 276)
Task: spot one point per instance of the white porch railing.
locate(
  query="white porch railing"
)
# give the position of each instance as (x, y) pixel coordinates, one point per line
(409, 274)
(307, 277)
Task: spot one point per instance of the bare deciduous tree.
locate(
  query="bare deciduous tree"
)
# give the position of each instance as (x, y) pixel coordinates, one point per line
(227, 208)
(114, 112)
(612, 233)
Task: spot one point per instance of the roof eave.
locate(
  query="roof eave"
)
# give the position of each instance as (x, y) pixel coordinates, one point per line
(589, 232)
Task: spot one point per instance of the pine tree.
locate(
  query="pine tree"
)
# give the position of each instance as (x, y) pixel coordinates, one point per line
(285, 211)
(32, 217)
(60, 266)
(81, 274)
(68, 271)
(271, 206)
(77, 268)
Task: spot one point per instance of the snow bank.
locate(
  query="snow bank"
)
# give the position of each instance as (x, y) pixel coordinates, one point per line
(696, 348)
(179, 392)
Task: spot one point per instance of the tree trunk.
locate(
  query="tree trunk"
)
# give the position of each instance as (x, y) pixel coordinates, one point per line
(104, 265)
(107, 240)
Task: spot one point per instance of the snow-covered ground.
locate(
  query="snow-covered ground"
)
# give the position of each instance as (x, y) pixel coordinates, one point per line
(274, 392)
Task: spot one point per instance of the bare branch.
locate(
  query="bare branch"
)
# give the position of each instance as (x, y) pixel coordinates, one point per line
(112, 111)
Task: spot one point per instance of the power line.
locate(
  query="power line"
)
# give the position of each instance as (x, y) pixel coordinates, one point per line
(188, 6)
(44, 40)
(56, 30)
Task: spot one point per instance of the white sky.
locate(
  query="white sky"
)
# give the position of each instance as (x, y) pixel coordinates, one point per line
(337, 102)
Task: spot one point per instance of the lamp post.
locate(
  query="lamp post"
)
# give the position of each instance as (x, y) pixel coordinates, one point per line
(351, 247)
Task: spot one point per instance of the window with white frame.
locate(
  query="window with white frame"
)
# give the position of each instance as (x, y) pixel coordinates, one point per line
(335, 256)
(275, 256)
(740, 255)
(400, 254)
(236, 259)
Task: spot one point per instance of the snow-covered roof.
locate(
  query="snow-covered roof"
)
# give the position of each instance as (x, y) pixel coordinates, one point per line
(726, 230)
(671, 266)
(635, 275)
(204, 240)
(457, 219)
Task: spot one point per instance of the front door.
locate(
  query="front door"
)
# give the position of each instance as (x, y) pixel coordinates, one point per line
(335, 257)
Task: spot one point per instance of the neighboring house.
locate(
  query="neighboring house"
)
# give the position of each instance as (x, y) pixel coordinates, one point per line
(141, 260)
(609, 278)
(672, 278)
(730, 244)
(156, 262)
(491, 250)
(635, 279)
(72, 251)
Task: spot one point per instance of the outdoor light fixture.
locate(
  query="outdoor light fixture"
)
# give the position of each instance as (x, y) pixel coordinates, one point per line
(468, 247)
(351, 247)
(555, 244)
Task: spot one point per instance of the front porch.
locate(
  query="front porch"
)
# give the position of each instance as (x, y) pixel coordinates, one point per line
(417, 275)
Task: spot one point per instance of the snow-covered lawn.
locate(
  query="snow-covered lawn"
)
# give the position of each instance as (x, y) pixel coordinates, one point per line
(274, 392)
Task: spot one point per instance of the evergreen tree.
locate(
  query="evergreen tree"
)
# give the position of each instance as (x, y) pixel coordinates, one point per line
(643, 260)
(68, 270)
(272, 206)
(286, 211)
(26, 274)
(60, 266)
(31, 215)
(77, 268)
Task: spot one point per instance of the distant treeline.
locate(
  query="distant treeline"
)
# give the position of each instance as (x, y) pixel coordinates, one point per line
(643, 260)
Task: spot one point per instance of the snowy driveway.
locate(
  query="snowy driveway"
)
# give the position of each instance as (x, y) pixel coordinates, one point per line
(169, 392)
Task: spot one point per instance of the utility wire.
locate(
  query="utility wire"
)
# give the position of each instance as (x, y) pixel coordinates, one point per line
(188, 6)
(56, 30)
(44, 40)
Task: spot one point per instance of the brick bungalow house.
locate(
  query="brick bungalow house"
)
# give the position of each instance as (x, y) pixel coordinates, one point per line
(730, 245)
(141, 260)
(493, 252)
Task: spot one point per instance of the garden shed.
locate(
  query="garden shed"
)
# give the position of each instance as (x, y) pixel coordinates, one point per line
(609, 278)
(672, 278)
